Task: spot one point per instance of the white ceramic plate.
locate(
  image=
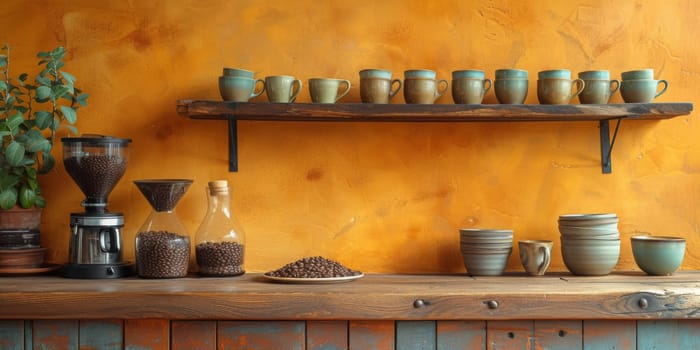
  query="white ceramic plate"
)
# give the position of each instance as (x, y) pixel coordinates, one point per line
(313, 280)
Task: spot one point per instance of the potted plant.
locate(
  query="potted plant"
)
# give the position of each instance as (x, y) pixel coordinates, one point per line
(32, 111)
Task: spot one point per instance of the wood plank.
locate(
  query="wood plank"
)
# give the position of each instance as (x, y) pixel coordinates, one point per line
(12, 334)
(55, 334)
(372, 335)
(609, 334)
(668, 334)
(558, 334)
(146, 334)
(461, 335)
(506, 335)
(373, 297)
(250, 335)
(416, 335)
(326, 335)
(364, 112)
(101, 334)
(187, 335)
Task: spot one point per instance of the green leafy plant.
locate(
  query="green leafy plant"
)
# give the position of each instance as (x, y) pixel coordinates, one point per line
(31, 113)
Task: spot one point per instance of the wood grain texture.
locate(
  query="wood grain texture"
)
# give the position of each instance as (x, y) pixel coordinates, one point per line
(388, 297)
(372, 335)
(146, 334)
(416, 335)
(101, 334)
(501, 335)
(201, 109)
(55, 334)
(12, 334)
(609, 334)
(668, 334)
(461, 335)
(193, 335)
(558, 334)
(255, 335)
(326, 335)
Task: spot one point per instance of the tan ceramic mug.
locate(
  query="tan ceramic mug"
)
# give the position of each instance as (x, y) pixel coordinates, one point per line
(280, 88)
(328, 90)
(422, 90)
(535, 256)
(557, 91)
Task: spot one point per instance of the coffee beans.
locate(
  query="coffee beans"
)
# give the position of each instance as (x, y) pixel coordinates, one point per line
(220, 258)
(313, 267)
(96, 174)
(161, 254)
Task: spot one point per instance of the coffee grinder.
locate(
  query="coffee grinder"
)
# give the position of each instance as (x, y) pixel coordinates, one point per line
(96, 163)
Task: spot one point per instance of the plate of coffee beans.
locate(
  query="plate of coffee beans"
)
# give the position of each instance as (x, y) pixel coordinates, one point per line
(315, 269)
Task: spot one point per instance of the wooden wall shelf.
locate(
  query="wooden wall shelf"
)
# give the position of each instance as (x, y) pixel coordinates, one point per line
(631, 296)
(361, 112)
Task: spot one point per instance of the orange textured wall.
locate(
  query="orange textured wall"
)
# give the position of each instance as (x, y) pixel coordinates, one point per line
(377, 197)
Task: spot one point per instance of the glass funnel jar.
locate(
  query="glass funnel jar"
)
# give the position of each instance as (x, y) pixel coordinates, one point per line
(220, 240)
(162, 242)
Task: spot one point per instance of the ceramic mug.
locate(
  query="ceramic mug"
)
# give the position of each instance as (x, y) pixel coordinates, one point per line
(511, 91)
(638, 74)
(423, 90)
(280, 88)
(238, 72)
(375, 73)
(554, 74)
(419, 74)
(328, 90)
(239, 89)
(378, 90)
(556, 91)
(470, 90)
(641, 90)
(511, 73)
(598, 91)
(535, 256)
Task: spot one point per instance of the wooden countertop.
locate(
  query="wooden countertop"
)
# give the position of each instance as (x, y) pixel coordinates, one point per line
(631, 295)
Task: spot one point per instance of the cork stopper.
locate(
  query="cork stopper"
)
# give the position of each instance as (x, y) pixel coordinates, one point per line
(218, 187)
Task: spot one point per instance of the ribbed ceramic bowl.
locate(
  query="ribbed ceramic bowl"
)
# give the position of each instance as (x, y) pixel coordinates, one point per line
(657, 255)
(590, 228)
(486, 264)
(590, 257)
(22, 258)
(485, 233)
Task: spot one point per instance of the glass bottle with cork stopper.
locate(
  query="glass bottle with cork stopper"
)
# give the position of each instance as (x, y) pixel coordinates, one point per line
(220, 240)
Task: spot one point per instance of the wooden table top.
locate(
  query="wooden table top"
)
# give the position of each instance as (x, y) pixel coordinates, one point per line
(621, 295)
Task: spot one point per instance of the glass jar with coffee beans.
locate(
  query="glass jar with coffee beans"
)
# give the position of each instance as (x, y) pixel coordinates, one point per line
(162, 242)
(220, 240)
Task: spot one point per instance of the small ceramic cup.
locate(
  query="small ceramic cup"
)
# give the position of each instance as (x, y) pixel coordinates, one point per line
(641, 90)
(469, 86)
(423, 90)
(638, 74)
(239, 89)
(328, 90)
(238, 72)
(554, 74)
(511, 91)
(535, 256)
(376, 86)
(511, 73)
(599, 87)
(420, 74)
(281, 88)
(558, 91)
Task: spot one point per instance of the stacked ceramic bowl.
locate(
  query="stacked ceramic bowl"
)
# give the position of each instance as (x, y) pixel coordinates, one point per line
(590, 243)
(485, 252)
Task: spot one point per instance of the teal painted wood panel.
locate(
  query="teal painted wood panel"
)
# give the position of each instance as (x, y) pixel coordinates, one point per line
(28, 331)
(55, 334)
(416, 335)
(11, 335)
(461, 335)
(101, 334)
(259, 335)
(371, 335)
(147, 334)
(609, 334)
(558, 334)
(326, 335)
(668, 334)
(187, 335)
(502, 335)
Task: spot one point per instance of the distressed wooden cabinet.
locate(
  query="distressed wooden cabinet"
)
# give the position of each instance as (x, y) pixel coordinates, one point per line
(516, 311)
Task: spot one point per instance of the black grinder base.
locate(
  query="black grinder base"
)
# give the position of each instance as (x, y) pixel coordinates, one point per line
(97, 271)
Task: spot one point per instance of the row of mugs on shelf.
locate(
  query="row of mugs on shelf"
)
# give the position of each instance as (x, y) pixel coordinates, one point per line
(421, 86)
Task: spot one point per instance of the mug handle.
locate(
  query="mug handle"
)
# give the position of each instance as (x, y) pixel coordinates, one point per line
(580, 85)
(393, 92)
(487, 88)
(617, 86)
(345, 91)
(295, 93)
(439, 92)
(545, 261)
(256, 94)
(663, 90)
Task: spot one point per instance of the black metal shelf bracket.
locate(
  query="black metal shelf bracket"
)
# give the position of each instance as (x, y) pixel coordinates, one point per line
(606, 145)
(232, 144)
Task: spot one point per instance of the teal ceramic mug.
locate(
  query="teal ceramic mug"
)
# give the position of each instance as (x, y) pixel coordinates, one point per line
(642, 90)
(598, 91)
(554, 74)
(638, 74)
(468, 74)
(238, 72)
(419, 74)
(239, 89)
(510, 91)
(510, 73)
(470, 90)
(375, 73)
(555, 91)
